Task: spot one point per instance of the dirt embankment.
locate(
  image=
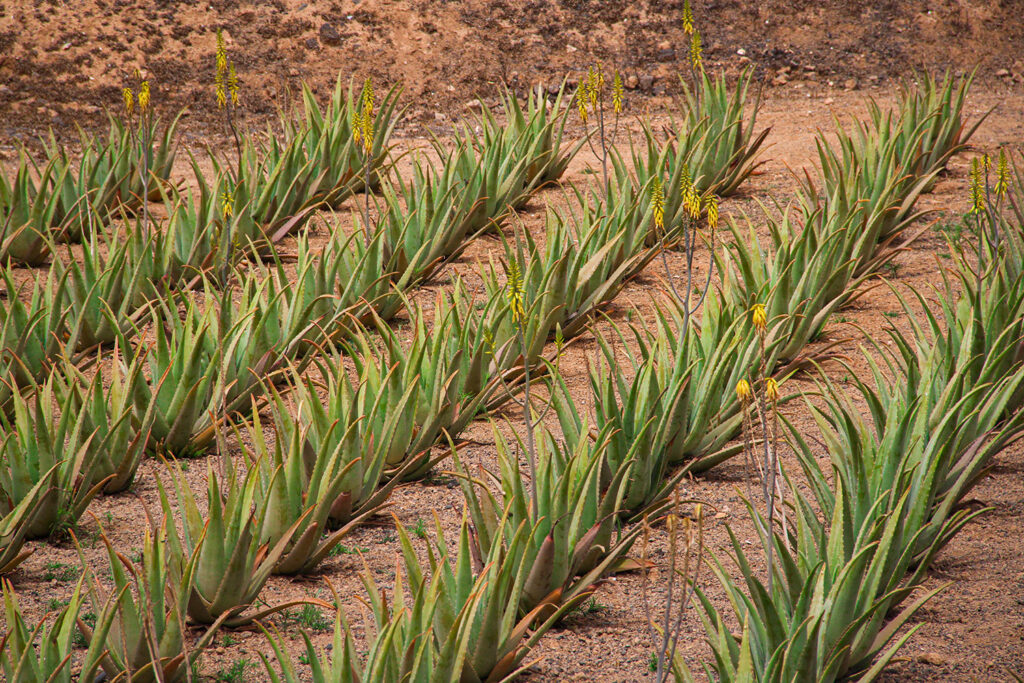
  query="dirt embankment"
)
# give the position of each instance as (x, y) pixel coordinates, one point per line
(62, 62)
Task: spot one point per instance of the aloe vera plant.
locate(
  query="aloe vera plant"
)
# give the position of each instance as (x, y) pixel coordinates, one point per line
(343, 283)
(931, 127)
(105, 405)
(429, 219)
(802, 279)
(16, 521)
(493, 169)
(420, 395)
(587, 259)
(40, 653)
(139, 631)
(226, 563)
(327, 140)
(29, 212)
(562, 528)
(540, 126)
(102, 294)
(893, 503)
(713, 143)
(867, 171)
(327, 464)
(460, 625)
(196, 238)
(40, 444)
(180, 388)
(109, 175)
(32, 333)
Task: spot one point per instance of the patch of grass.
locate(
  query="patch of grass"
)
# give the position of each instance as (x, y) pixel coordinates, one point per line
(345, 550)
(954, 228)
(591, 606)
(892, 314)
(652, 663)
(420, 530)
(234, 673)
(55, 605)
(310, 618)
(387, 538)
(229, 640)
(60, 572)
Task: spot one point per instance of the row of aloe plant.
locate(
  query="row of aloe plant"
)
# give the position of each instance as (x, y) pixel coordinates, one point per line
(823, 250)
(945, 402)
(67, 199)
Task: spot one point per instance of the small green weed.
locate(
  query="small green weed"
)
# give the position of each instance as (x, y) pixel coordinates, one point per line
(60, 572)
(234, 673)
(346, 550)
(420, 530)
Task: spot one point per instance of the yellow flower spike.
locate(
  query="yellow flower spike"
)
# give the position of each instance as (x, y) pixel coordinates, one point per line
(222, 56)
(592, 88)
(759, 318)
(515, 293)
(658, 203)
(986, 162)
(227, 201)
(691, 202)
(233, 84)
(600, 78)
(143, 97)
(977, 188)
(222, 70)
(687, 18)
(1002, 176)
(712, 205)
(696, 52)
(617, 92)
(129, 101)
(771, 390)
(368, 95)
(367, 133)
(743, 392)
(357, 125)
(581, 102)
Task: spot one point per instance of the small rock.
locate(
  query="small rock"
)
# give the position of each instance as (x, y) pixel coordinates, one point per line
(850, 84)
(666, 55)
(329, 35)
(553, 87)
(933, 658)
(810, 67)
(570, 48)
(720, 515)
(665, 45)
(646, 82)
(293, 72)
(228, 40)
(1003, 73)
(828, 100)
(312, 43)
(781, 79)
(632, 82)
(475, 105)
(440, 116)
(741, 52)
